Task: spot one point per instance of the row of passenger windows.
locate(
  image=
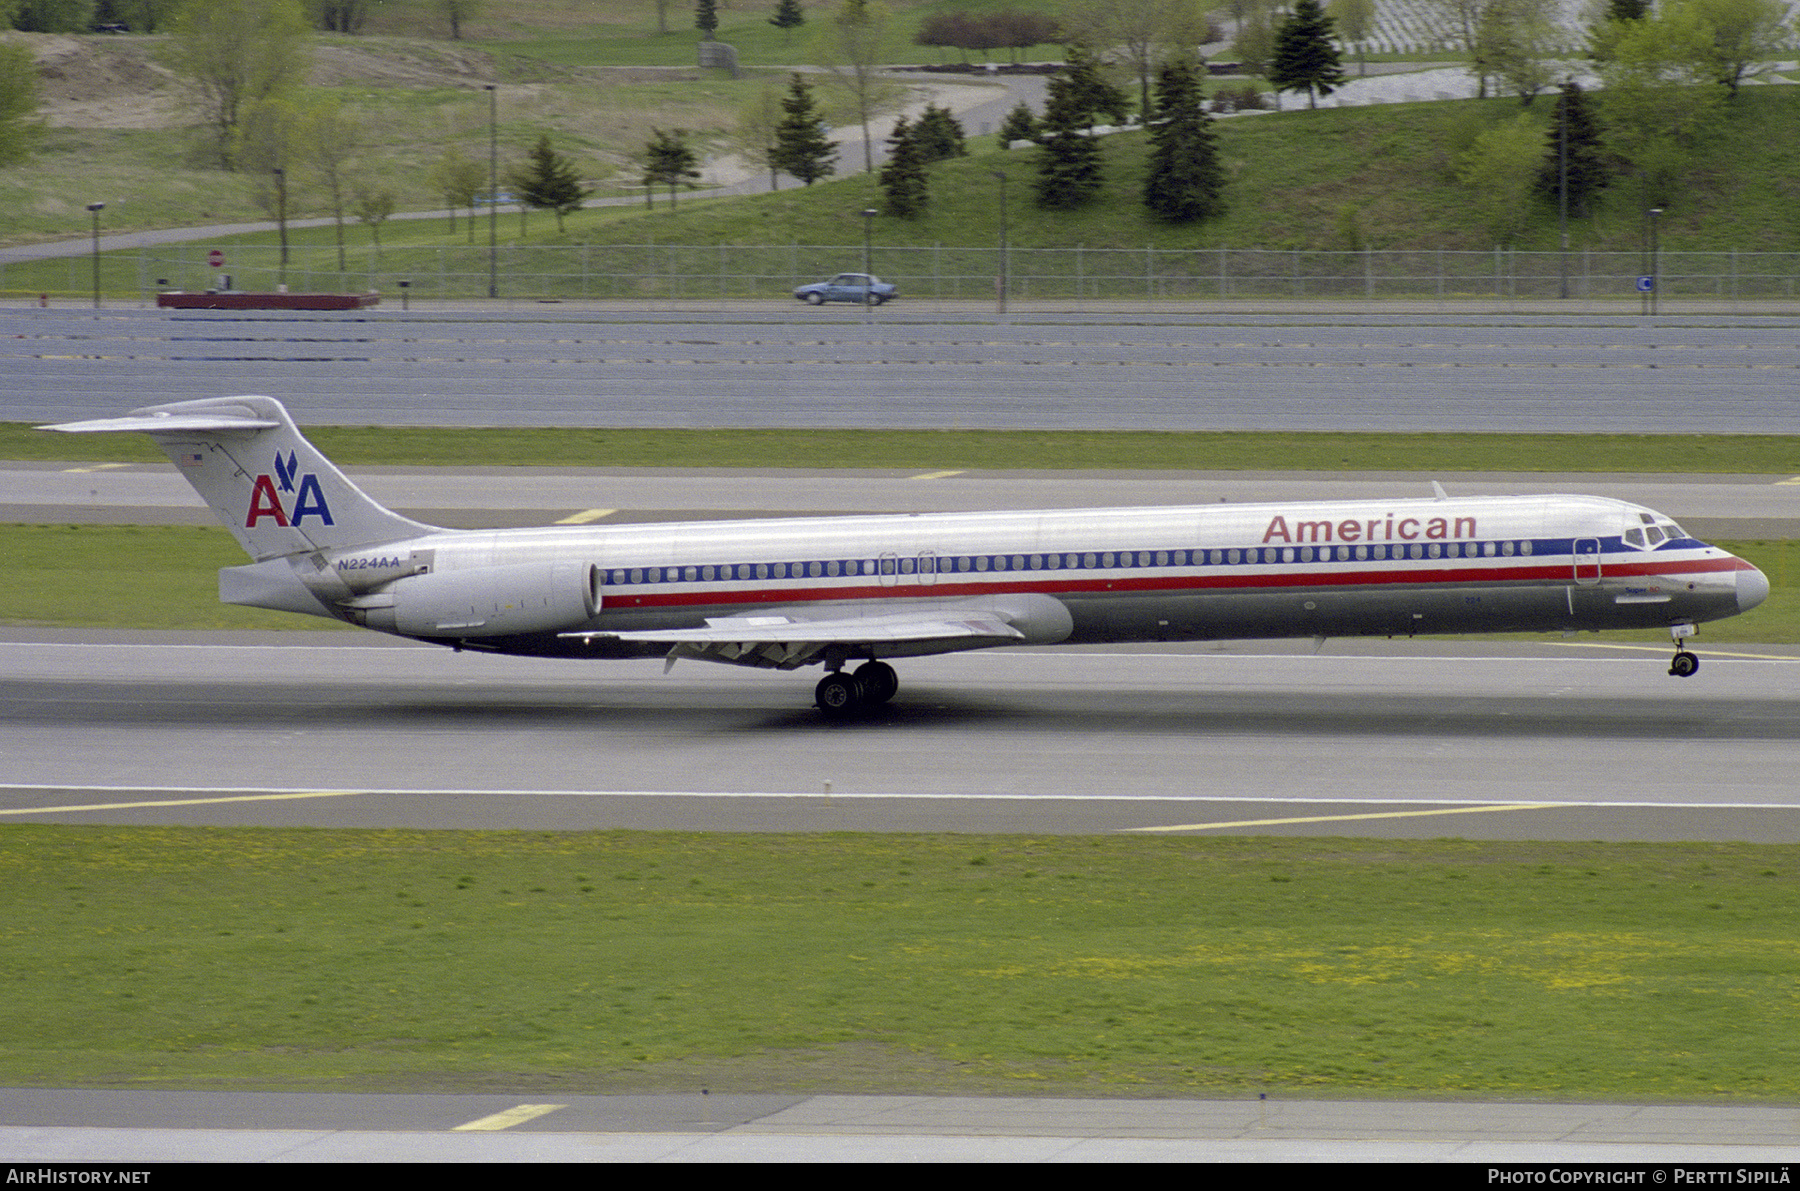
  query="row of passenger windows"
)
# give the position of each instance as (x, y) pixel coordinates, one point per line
(1107, 560)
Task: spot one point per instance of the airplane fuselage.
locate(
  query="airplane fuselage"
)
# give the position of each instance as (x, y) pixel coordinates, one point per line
(1504, 564)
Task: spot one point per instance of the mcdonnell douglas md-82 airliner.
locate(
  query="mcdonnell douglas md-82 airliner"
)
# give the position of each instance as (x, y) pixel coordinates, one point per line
(859, 590)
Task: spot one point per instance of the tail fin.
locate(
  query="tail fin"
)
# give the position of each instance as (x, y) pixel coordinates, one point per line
(273, 490)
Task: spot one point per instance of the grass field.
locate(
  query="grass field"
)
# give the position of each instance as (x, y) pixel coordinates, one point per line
(952, 964)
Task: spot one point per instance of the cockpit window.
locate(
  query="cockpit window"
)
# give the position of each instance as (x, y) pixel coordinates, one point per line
(1652, 531)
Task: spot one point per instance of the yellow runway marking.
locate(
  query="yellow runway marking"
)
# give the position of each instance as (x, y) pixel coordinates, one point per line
(937, 475)
(1664, 649)
(586, 515)
(97, 467)
(127, 806)
(1460, 810)
(1795, 480)
(509, 1118)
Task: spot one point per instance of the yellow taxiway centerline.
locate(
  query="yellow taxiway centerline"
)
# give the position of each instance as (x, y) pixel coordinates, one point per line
(1460, 810)
(127, 806)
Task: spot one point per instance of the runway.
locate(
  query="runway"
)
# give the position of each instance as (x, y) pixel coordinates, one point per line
(1402, 739)
(777, 364)
(144, 1127)
(1729, 506)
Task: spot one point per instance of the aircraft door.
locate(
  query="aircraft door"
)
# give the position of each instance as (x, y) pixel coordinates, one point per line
(928, 567)
(1587, 561)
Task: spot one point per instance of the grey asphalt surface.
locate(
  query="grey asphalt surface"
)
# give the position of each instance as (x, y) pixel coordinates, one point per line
(788, 365)
(150, 1126)
(1588, 739)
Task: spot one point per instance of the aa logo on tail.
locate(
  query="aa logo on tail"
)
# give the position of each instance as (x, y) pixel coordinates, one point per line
(309, 501)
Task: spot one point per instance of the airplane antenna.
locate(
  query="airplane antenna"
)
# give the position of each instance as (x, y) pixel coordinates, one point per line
(1439, 489)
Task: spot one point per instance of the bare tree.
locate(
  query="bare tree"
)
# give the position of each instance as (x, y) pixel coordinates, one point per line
(850, 46)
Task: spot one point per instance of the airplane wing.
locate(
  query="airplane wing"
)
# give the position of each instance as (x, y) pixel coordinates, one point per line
(789, 640)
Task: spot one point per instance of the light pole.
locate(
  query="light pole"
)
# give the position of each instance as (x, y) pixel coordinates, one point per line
(1655, 255)
(869, 214)
(493, 191)
(94, 210)
(281, 217)
(1000, 289)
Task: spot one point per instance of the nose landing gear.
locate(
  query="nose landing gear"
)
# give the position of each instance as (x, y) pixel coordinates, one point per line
(1684, 664)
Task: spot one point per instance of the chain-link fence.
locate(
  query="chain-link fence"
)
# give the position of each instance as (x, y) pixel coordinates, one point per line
(659, 273)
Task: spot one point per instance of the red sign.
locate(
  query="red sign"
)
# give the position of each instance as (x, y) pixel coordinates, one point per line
(215, 258)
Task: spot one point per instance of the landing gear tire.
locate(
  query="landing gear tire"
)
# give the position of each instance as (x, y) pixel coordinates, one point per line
(1684, 665)
(839, 696)
(879, 682)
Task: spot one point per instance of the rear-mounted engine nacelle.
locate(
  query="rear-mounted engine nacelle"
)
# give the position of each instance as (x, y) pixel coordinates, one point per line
(526, 597)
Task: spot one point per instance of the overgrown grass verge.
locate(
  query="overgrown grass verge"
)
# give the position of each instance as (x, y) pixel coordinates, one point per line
(611, 961)
(427, 446)
(165, 577)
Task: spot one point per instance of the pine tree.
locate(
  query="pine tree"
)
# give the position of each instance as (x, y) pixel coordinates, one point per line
(706, 17)
(788, 17)
(802, 150)
(939, 135)
(1305, 57)
(903, 174)
(1090, 93)
(549, 182)
(1588, 169)
(1069, 171)
(1186, 181)
(669, 161)
(1019, 125)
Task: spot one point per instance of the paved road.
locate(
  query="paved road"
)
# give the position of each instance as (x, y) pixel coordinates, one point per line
(796, 367)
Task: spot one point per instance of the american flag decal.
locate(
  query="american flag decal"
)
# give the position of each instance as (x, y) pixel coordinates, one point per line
(190, 460)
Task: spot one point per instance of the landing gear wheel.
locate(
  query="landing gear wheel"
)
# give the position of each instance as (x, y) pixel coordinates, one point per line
(879, 682)
(1684, 665)
(839, 695)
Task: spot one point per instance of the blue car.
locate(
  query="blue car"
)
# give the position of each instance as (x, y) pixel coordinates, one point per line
(847, 287)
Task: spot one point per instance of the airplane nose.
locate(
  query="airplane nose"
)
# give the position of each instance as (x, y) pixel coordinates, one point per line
(1752, 589)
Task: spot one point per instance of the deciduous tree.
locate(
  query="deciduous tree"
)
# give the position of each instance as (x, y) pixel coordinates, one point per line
(458, 179)
(234, 54)
(850, 48)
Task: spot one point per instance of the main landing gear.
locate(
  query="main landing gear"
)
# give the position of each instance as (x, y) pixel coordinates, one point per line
(1685, 663)
(841, 696)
